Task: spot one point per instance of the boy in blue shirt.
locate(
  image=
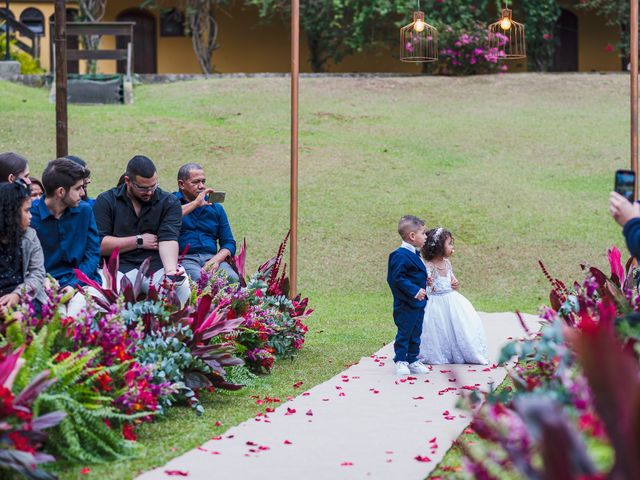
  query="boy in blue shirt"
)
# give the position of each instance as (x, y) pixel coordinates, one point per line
(407, 277)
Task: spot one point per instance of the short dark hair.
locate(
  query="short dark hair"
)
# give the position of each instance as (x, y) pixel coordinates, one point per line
(434, 246)
(11, 164)
(35, 181)
(77, 160)
(185, 170)
(408, 224)
(64, 173)
(140, 166)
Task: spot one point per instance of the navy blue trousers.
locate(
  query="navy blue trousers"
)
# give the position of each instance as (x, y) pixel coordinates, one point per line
(407, 344)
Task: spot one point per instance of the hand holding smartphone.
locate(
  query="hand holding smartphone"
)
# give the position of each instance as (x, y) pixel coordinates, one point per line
(625, 184)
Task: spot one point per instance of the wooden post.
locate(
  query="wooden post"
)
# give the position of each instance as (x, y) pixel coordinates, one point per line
(295, 70)
(634, 90)
(62, 141)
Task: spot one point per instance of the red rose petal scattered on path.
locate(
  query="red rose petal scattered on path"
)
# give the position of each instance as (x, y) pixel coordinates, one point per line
(230, 436)
(471, 370)
(250, 443)
(338, 387)
(411, 378)
(446, 412)
(426, 381)
(176, 473)
(346, 464)
(217, 424)
(468, 387)
(342, 394)
(389, 452)
(309, 412)
(215, 453)
(355, 378)
(389, 460)
(219, 437)
(433, 440)
(85, 471)
(306, 394)
(298, 384)
(345, 380)
(445, 371)
(449, 417)
(418, 398)
(264, 448)
(468, 431)
(202, 449)
(486, 369)
(287, 442)
(290, 411)
(374, 390)
(452, 379)
(325, 399)
(420, 458)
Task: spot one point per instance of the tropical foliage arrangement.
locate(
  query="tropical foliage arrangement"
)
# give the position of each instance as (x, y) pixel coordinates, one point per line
(77, 387)
(573, 410)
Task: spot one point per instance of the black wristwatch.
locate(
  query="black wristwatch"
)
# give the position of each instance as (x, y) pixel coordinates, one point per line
(138, 241)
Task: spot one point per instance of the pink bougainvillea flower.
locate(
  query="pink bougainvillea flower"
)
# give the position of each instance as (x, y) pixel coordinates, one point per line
(298, 384)
(421, 458)
(176, 473)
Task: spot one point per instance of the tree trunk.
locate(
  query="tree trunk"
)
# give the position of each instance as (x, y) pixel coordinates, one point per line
(204, 32)
(315, 54)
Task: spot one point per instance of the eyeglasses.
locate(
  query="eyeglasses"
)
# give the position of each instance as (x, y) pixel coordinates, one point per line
(142, 189)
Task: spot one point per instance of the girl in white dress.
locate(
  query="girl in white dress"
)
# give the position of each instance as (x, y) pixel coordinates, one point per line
(452, 331)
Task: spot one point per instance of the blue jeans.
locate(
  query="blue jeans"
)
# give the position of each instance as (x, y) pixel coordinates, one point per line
(193, 263)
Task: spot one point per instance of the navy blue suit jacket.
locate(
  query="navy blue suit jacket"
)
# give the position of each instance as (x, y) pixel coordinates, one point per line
(406, 275)
(631, 234)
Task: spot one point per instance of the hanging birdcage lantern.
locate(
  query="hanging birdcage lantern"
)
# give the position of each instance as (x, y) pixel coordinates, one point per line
(418, 40)
(506, 37)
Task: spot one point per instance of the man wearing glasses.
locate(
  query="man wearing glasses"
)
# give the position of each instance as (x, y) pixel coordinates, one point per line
(142, 221)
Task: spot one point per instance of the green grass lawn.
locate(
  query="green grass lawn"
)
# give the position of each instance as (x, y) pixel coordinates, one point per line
(519, 167)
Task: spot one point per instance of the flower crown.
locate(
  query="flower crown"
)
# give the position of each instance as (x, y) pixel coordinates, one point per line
(436, 236)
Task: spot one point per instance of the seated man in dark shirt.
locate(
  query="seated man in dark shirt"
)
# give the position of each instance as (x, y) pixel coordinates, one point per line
(141, 220)
(204, 226)
(65, 224)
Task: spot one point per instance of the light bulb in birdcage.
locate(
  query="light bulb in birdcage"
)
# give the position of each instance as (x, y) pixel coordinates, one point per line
(505, 23)
(418, 41)
(507, 37)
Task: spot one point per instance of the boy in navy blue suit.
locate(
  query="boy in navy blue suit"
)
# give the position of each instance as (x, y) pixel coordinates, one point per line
(407, 277)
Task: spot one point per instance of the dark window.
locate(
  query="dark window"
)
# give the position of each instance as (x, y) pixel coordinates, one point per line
(171, 23)
(34, 19)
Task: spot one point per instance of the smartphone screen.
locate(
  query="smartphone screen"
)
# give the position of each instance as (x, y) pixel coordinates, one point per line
(625, 184)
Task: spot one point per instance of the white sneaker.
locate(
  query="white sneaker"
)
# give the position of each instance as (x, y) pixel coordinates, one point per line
(418, 367)
(402, 368)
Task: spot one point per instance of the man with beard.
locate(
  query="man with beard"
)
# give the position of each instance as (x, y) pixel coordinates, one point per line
(141, 221)
(65, 225)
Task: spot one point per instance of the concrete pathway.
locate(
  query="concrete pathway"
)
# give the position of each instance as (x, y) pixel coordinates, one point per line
(364, 423)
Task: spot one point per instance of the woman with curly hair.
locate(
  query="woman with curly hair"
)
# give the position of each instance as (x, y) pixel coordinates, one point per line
(21, 258)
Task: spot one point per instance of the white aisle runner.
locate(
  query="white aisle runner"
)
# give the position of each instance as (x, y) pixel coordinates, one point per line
(363, 423)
